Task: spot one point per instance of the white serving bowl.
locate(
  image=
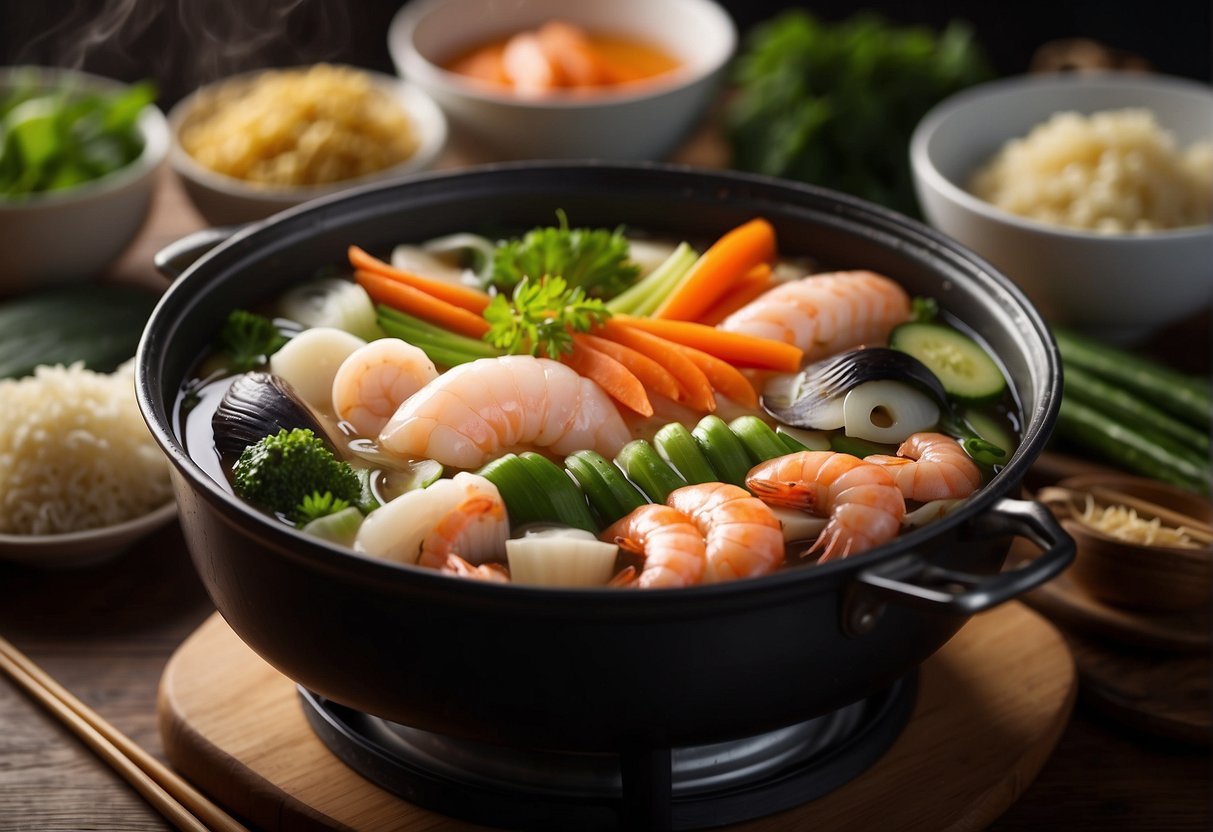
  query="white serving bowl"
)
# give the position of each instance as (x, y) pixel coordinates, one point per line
(69, 236)
(83, 548)
(642, 121)
(226, 200)
(1119, 287)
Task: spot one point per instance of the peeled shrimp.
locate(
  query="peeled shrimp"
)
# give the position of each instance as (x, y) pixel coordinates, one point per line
(824, 314)
(931, 466)
(464, 515)
(673, 549)
(375, 379)
(743, 535)
(863, 503)
(477, 411)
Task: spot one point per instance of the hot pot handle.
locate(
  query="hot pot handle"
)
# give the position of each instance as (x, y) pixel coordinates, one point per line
(180, 254)
(912, 581)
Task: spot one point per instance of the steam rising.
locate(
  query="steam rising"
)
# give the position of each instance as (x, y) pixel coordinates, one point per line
(186, 43)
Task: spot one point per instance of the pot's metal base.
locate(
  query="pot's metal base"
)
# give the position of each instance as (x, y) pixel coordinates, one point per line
(682, 788)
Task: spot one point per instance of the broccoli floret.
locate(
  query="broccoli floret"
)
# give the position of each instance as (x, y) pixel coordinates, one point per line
(248, 339)
(279, 471)
(317, 505)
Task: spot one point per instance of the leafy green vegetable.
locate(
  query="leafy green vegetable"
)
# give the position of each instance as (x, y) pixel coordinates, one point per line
(248, 339)
(317, 505)
(98, 324)
(282, 471)
(540, 317)
(835, 104)
(51, 140)
(594, 260)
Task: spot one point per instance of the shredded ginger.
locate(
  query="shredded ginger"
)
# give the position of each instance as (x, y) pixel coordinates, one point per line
(1123, 523)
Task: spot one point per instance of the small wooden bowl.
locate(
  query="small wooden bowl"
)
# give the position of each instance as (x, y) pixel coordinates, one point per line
(1130, 574)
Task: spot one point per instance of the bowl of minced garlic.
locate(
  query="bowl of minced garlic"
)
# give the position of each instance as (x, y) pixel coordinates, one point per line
(1141, 543)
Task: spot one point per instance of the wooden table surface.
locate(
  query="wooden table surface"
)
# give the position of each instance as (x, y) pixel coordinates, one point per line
(106, 632)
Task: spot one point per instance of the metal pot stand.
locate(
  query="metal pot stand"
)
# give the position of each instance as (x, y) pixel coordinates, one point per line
(693, 787)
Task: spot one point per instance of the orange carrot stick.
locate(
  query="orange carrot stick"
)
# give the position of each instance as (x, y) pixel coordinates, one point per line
(734, 347)
(718, 269)
(695, 389)
(651, 374)
(473, 300)
(425, 306)
(755, 283)
(723, 376)
(617, 380)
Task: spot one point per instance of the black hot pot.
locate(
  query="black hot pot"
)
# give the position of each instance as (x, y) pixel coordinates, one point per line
(602, 669)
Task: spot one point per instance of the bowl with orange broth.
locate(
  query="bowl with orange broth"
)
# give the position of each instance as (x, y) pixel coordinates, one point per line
(543, 79)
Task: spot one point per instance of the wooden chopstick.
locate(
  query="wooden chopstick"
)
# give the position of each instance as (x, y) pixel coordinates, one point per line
(170, 794)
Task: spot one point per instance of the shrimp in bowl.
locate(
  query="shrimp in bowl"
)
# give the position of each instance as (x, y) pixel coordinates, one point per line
(618, 405)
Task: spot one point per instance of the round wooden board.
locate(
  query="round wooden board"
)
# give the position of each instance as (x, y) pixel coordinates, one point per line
(992, 704)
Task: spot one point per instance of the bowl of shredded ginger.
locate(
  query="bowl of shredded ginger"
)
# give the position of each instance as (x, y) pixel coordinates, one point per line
(1093, 192)
(1141, 544)
(546, 79)
(251, 145)
(79, 152)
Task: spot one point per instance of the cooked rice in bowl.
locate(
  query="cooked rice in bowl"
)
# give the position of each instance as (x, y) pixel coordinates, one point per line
(1114, 171)
(75, 452)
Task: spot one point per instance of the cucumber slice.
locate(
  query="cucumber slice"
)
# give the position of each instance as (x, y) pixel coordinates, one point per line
(965, 369)
(678, 447)
(730, 460)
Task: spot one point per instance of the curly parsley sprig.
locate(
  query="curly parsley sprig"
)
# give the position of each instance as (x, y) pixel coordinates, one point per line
(596, 260)
(540, 317)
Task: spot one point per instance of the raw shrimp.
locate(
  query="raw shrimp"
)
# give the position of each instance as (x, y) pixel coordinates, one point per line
(931, 466)
(743, 536)
(824, 314)
(477, 411)
(673, 549)
(375, 379)
(863, 503)
(464, 515)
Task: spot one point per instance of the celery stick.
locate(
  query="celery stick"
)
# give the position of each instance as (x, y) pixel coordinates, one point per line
(646, 294)
(441, 351)
(426, 331)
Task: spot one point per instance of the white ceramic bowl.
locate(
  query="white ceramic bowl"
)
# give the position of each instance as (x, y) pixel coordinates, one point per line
(83, 548)
(225, 200)
(69, 236)
(645, 121)
(1119, 287)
